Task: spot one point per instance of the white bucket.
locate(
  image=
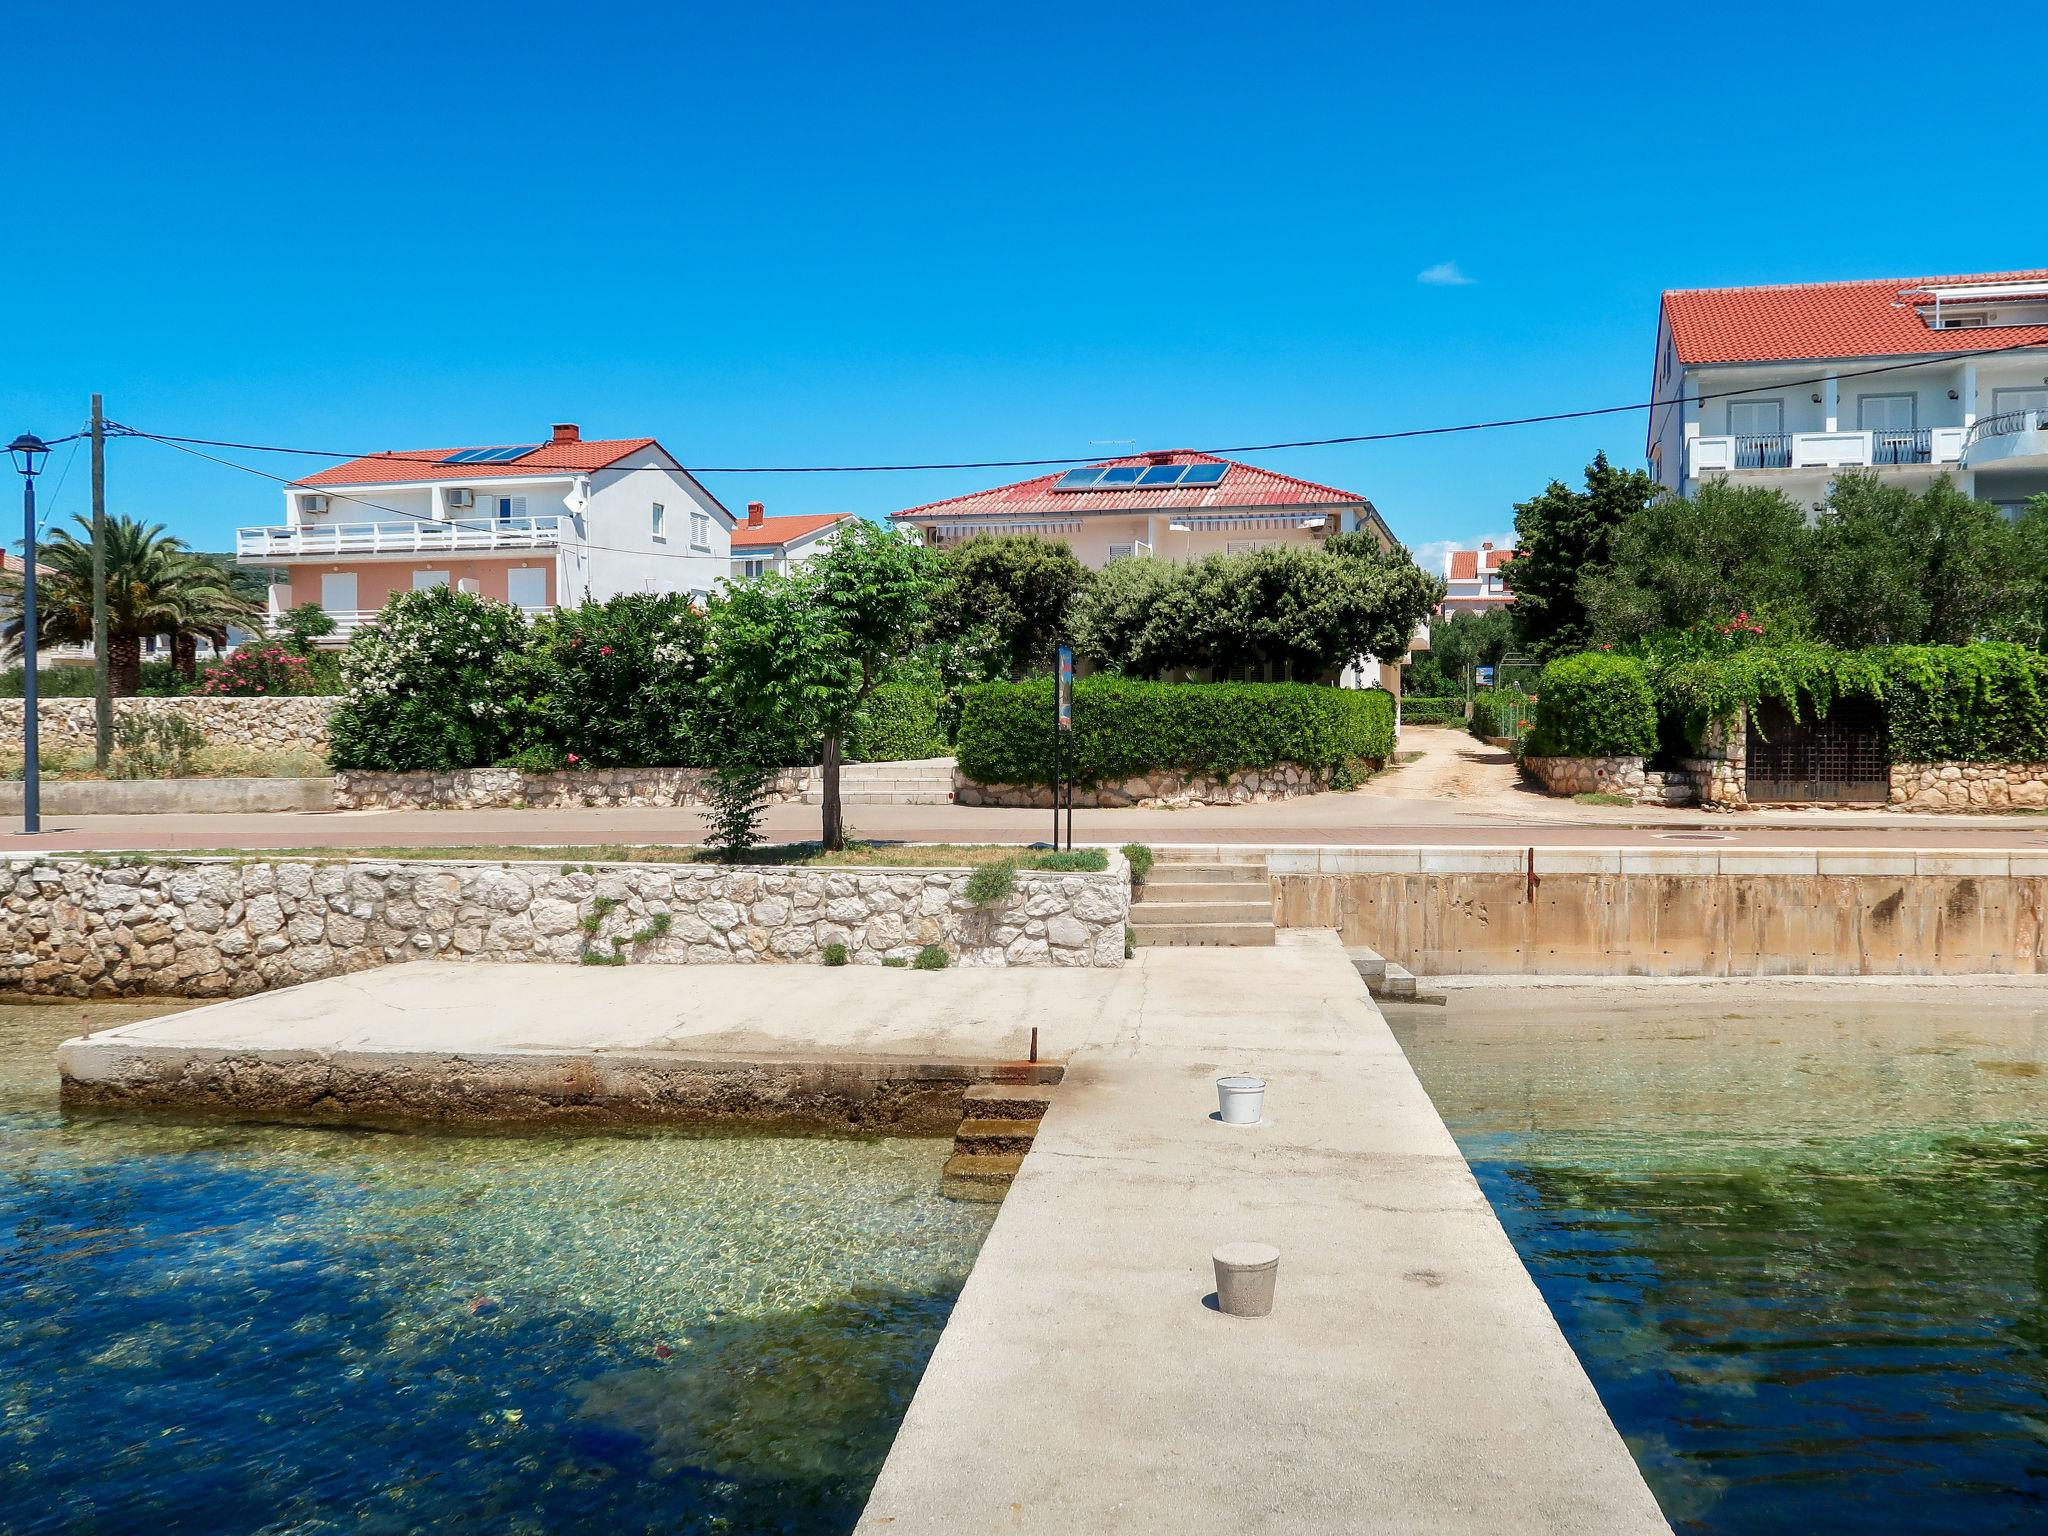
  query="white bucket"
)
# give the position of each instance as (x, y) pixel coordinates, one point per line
(1241, 1100)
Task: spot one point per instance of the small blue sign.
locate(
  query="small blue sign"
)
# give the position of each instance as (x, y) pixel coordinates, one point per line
(1066, 687)
(1483, 676)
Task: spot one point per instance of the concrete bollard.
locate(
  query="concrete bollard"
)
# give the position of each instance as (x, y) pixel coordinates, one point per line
(1244, 1278)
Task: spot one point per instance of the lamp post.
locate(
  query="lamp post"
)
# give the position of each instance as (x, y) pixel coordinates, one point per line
(29, 451)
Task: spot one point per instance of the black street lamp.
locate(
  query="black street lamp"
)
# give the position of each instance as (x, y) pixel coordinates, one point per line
(29, 451)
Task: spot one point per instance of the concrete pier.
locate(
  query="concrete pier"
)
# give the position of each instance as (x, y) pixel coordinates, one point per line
(1410, 1377)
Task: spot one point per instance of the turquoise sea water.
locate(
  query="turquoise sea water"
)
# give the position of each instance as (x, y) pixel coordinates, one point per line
(1799, 1239)
(219, 1329)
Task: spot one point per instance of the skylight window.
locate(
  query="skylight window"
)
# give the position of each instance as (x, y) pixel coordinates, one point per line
(490, 455)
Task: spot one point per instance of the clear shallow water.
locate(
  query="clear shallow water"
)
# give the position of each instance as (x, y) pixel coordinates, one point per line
(213, 1328)
(1798, 1238)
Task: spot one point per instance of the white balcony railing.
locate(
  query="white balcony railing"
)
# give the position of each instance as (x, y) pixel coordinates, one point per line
(348, 620)
(2010, 437)
(411, 537)
(1862, 449)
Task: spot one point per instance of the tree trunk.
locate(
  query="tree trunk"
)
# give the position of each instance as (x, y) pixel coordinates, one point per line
(185, 656)
(124, 665)
(834, 832)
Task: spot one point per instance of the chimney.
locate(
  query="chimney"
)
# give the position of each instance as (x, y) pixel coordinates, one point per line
(1486, 543)
(755, 512)
(568, 432)
(1159, 458)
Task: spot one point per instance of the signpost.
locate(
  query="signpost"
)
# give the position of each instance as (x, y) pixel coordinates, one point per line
(1062, 742)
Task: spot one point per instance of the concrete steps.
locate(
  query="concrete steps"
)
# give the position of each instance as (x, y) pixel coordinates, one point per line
(1000, 1121)
(1390, 982)
(1219, 901)
(928, 781)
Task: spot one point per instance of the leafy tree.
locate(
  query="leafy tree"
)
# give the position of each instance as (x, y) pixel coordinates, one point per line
(302, 628)
(1132, 617)
(2029, 622)
(1020, 586)
(800, 653)
(1562, 536)
(155, 586)
(1888, 567)
(1456, 645)
(1731, 549)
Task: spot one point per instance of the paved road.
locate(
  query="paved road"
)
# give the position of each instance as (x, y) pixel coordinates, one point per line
(1346, 820)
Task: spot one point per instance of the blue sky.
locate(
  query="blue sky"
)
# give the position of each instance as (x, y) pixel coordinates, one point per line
(814, 234)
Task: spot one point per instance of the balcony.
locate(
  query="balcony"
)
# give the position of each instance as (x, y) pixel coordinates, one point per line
(326, 541)
(2018, 439)
(1865, 449)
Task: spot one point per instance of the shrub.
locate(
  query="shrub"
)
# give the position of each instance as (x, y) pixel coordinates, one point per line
(1140, 856)
(618, 683)
(1072, 861)
(992, 883)
(153, 746)
(1124, 728)
(1594, 705)
(300, 627)
(262, 667)
(1421, 710)
(833, 953)
(426, 685)
(932, 957)
(898, 721)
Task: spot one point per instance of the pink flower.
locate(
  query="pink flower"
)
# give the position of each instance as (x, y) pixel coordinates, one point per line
(574, 758)
(604, 650)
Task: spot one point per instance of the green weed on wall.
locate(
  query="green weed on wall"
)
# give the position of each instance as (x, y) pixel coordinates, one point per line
(1123, 728)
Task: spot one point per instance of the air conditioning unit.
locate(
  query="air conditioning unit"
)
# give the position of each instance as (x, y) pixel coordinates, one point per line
(313, 503)
(458, 497)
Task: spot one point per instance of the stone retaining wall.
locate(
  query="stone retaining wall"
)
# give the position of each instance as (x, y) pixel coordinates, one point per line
(263, 724)
(1249, 787)
(476, 789)
(1969, 786)
(1612, 776)
(219, 927)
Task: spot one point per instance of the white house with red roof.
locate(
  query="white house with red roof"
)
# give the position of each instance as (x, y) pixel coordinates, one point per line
(1475, 580)
(533, 524)
(1913, 377)
(781, 544)
(1172, 505)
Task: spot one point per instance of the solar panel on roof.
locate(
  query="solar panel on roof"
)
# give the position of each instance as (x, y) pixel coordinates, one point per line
(1205, 474)
(1162, 474)
(490, 455)
(1077, 479)
(1121, 477)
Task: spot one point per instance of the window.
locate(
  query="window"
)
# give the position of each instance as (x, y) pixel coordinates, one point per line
(424, 580)
(1247, 546)
(1756, 418)
(527, 587)
(1886, 413)
(1966, 322)
(657, 523)
(700, 530)
(752, 568)
(510, 507)
(338, 592)
(1122, 551)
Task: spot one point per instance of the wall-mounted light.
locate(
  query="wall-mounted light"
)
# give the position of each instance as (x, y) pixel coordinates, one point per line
(1816, 399)
(1953, 395)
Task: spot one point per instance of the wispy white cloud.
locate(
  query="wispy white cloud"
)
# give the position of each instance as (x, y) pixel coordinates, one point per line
(1445, 274)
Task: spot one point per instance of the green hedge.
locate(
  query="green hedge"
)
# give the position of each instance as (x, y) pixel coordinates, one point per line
(1501, 712)
(1594, 705)
(1421, 709)
(1966, 703)
(899, 721)
(1123, 728)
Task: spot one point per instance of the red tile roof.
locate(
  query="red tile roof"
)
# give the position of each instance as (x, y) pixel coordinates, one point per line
(775, 532)
(1246, 485)
(1465, 562)
(425, 463)
(1796, 321)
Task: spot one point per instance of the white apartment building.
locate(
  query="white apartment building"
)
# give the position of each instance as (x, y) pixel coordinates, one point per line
(1475, 580)
(1788, 386)
(535, 524)
(764, 544)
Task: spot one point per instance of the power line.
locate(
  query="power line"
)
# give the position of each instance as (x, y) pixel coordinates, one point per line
(1655, 403)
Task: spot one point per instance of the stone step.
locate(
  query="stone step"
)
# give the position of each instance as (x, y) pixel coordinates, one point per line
(1370, 964)
(1177, 857)
(1228, 935)
(883, 797)
(1154, 913)
(997, 1136)
(1204, 890)
(1207, 874)
(1008, 1101)
(979, 1175)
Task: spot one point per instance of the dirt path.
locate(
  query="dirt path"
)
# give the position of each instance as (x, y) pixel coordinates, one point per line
(1452, 766)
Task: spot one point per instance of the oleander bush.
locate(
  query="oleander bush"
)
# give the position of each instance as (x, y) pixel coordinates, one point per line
(426, 685)
(1124, 728)
(1594, 705)
(616, 684)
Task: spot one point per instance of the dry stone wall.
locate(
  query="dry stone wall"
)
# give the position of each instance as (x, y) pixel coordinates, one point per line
(1166, 788)
(221, 927)
(262, 724)
(1969, 786)
(1612, 776)
(475, 789)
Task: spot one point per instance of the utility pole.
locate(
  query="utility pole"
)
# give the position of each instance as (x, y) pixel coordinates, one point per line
(102, 676)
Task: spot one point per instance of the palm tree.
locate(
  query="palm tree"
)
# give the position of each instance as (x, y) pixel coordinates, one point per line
(155, 586)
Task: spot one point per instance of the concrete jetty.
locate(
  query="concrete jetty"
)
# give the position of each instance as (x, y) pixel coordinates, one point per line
(1410, 1377)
